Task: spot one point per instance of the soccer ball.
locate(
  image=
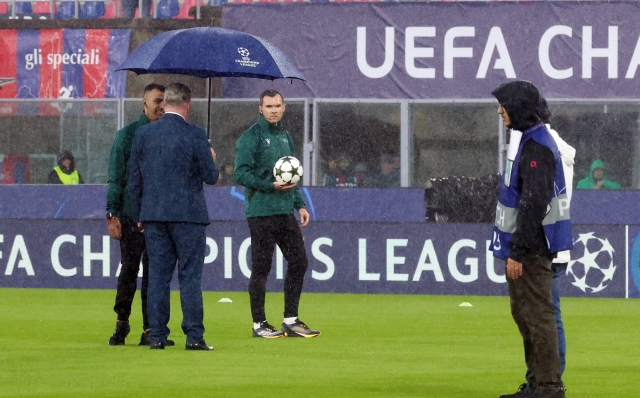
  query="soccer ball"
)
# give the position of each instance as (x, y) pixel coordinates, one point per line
(593, 271)
(287, 169)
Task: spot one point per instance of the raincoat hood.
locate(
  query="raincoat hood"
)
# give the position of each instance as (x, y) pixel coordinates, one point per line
(520, 100)
(597, 164)
(66, 154)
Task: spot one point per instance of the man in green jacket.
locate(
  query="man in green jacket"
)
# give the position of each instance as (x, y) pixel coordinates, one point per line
(120, 224)
(269, 206)
(597, 178)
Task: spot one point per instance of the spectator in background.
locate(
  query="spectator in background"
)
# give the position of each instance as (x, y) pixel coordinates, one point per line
(362, 170)
(388, 174)
(340, 173)
(597, 178)
(331, 173)
(129, 8)
(65, 172)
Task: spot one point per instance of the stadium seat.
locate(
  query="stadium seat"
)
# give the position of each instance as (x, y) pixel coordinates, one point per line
(92, 9)
(42, 7)
(217, 2)
(23, 7)
(15, 169)
(168, 8)
(186, 6)
(4, 8)
(66, 10)
(111, 10)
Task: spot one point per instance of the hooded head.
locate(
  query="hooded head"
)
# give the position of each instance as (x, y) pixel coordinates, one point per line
(520, 100)
(543, 111)
(597, 170)
(66, 166)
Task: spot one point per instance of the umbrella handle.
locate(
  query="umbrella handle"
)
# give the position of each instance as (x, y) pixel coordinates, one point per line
(209, 114)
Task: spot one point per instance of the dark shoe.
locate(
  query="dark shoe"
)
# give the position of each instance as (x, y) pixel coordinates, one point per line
(156, 346)
(121, 332)
(267, 331)
(145, 340)
(299, 329)
(201, 346)
(523, 392)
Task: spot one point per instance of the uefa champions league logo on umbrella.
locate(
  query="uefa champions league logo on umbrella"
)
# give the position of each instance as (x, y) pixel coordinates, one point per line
(246, 61)
(593, 271)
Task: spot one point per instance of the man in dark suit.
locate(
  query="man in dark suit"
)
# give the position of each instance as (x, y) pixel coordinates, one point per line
(170, 159)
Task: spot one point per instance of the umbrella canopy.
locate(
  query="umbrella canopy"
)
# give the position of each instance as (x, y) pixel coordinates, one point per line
(210, 52)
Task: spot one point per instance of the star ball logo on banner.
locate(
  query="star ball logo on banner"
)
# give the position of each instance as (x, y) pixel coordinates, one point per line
(246, 61)
(593, 271)
(62, 63)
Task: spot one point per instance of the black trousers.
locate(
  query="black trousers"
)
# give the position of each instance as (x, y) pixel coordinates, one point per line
(533, 312)
(266, 232)
(132, 250)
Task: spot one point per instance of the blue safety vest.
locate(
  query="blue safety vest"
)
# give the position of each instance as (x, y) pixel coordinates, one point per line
(557, 222)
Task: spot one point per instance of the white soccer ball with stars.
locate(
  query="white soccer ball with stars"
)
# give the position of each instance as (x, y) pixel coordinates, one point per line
(594, 269)
(287, 169)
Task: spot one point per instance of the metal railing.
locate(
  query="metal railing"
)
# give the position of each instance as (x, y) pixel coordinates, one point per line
(431, 138)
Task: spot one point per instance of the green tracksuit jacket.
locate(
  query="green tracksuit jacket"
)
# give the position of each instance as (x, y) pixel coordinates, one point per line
(118, 199)
(257, 151)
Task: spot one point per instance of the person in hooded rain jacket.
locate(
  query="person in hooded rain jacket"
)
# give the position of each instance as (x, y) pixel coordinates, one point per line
(65, 172)
(597, 178)
(561, 262)
(532, 226)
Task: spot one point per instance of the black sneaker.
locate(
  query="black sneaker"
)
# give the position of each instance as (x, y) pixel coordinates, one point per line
(299, 329)
(145, 340)
(523, 392)
(121, 332)
(267, 331)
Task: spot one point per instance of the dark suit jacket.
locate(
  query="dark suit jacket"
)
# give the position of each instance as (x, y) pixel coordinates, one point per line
(170, 159)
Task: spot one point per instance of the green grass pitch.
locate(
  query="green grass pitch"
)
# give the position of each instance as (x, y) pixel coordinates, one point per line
(53, 343)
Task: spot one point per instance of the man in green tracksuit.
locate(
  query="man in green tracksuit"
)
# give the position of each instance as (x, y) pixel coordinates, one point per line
(120, 224)
(269, 206)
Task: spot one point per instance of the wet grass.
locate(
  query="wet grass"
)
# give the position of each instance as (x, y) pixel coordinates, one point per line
(53, 343)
